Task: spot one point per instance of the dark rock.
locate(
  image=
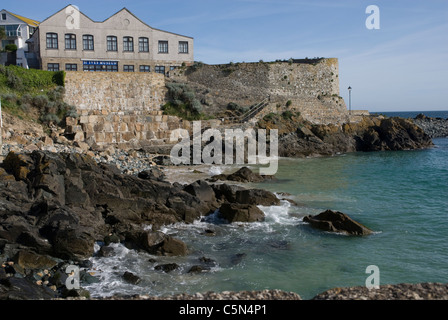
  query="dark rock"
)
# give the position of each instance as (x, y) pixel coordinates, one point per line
(256, 197)
(335, 221)
(197, 269)
(152, 174)
(167, 267)
(226, 192)
(236, 212)
(242, 175)
(131, 278)
(163, 160)
(207, 261)
(30, 260)
(14, 288)
(111, 238)
(106, 251)
(173, 247)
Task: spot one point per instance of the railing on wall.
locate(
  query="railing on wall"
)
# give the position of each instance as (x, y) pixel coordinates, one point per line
(253, 111)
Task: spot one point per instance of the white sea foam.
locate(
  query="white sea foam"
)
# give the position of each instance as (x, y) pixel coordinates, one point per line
(215, 170)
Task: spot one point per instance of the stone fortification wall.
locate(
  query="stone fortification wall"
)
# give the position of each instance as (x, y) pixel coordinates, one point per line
(311, 86)
(119, 108)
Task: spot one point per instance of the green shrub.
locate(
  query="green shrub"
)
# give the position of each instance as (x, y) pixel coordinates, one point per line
(9, 97)
(287, 115)
(41, 101)
(11, 47)
(50, 118)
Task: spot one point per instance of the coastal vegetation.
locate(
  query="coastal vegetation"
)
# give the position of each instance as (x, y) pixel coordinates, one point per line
(35, 95)
(183, 103)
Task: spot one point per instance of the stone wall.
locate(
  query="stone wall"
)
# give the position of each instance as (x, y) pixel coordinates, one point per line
(119, 108)
(311, 86)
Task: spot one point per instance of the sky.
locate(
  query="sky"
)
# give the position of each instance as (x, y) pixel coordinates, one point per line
(402, 66)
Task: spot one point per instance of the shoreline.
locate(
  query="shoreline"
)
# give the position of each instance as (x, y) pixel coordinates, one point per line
(133, 162)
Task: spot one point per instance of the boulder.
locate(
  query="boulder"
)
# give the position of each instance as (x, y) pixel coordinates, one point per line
(131, 278)
(152, 174)
(242, 175)
(335, 221)
(226, 192)
(238, 212)
(168, 267)
(173, 247)
(30, 260)
(256, 197)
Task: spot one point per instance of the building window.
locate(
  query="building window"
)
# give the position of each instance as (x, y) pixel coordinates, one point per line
(163, 46)
(53, 67)
(113, 68)
(112, 44)
(128, 68)
(3, 16)
(143, 44)
(71, 67)
(128, 44)
(52, 40)
(145, 69)
(70, 41)
(160, 69)
(87, 42)
(183, 46)
(12, 30)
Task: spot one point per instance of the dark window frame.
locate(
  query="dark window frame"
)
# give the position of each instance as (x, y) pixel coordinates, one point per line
(163, 46)
(145, 68)
(128, 44)
(71, 67)
(88, 42)
(54, 67)
(52, 40)
(128, 68)
(71, 41)
(159, 69)
(143, 44)
(112, 43)
(183, 47)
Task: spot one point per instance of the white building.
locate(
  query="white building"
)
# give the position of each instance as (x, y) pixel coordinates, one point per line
(18, 30)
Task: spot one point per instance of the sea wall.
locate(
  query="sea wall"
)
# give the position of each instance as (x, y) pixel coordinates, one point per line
(119, 108)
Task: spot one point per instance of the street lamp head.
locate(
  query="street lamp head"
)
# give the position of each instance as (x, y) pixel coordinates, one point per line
(349, 88)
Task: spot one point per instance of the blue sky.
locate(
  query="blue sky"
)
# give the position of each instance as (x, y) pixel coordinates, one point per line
(403, 66)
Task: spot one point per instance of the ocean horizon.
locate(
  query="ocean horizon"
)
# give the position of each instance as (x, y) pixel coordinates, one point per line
(412, 114)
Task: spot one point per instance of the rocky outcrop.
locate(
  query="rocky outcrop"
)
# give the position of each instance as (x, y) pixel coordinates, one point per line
(242, 175)
(55, 207)
(402, 291)
(300, 138)
(237, 212)
(434, 127)
(335, 221)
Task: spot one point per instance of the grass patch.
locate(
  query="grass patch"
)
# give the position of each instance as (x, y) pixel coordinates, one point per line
(35, 95)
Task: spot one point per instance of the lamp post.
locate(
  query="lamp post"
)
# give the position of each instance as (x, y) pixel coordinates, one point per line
(349, 100)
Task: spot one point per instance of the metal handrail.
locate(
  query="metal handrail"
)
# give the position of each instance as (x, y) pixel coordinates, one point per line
(250, 113)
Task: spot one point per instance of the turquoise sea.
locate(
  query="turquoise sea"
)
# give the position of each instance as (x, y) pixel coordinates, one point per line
(402, 196)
